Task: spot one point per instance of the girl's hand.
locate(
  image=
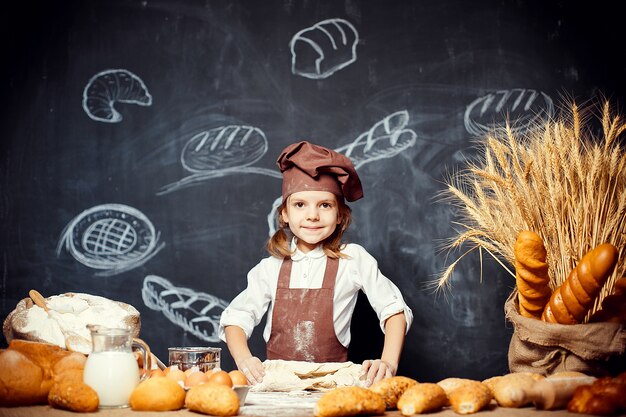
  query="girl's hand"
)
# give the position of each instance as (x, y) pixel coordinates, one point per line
(376, 370)
(252, 368)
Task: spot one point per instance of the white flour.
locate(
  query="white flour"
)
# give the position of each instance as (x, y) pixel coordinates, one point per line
(73, 313)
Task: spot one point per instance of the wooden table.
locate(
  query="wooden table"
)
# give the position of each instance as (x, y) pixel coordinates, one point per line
(266, 404)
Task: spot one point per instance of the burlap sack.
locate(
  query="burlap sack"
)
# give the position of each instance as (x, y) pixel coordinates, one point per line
(546, 348)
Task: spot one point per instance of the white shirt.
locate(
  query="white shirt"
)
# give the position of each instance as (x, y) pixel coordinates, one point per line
(357, 272)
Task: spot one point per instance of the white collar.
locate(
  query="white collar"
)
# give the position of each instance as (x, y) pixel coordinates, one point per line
(298, 255)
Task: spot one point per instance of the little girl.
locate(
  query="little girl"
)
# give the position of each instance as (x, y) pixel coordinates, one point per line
(310, 283)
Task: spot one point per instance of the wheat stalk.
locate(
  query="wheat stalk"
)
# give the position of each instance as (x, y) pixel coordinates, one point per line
(562, 180)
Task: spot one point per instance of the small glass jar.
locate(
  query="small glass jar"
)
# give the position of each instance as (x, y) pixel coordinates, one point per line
(205, 358)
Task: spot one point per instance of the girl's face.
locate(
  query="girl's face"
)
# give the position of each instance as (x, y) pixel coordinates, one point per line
(312, 216)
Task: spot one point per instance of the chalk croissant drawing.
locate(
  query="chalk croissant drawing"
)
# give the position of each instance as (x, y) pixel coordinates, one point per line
(110, 237)
(195, 312)
(113, 86)
(221, 151)
(319, 51)
(522, 108)
(386, 139)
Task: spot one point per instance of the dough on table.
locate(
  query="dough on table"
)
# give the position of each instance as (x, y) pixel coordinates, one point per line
(285, 376)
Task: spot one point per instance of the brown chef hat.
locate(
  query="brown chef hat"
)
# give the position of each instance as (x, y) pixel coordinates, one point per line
(309, 167)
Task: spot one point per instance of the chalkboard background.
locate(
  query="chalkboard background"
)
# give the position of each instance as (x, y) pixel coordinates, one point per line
(191, 68)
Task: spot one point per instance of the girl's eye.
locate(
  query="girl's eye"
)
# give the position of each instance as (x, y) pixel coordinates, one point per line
(327, 205)
(299, 204)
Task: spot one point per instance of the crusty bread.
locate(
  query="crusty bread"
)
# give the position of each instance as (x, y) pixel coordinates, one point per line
(570, 302)
(422, 398)
(21, 380)
(392, 388)
(531, 274)
(470, 397)
(349, 401)
(613, 308)
(211, 398)
(509, 391)
(157, 394)
(74, 395)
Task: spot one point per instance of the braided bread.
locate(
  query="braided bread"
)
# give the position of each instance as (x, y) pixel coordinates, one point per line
(570, 303)
(531, 274)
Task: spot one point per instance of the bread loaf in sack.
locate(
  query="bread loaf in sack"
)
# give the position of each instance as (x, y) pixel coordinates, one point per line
(570, 302)
(531, 274)
(547, 348)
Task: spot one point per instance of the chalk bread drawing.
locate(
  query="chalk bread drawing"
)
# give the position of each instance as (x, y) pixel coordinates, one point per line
(221, 151)
(195, 312)
(109, 87)
(319, 51)
(110, 237)
(386, 139)
(522, 108)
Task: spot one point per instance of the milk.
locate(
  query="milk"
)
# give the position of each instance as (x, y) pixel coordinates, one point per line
(113, 375)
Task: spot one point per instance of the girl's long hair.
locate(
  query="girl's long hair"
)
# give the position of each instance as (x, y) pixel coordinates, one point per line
(278, 244)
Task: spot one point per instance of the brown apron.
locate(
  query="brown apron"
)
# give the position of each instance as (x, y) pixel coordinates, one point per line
(302, 322)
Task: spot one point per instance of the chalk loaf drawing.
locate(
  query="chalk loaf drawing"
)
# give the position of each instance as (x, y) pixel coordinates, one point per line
(225, 150)
(522, 109)
(319, 51)
(386, 139)
(110, 237)
(108, 87)
(195, 312)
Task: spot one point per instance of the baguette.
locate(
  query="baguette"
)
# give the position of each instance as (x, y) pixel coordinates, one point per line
(531, 274)
(570, 303)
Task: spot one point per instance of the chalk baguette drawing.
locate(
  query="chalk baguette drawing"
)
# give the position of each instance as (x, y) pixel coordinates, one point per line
(319, 51)
(113, 86)
(386, 139)
(222, 151)
(110, 237)
(522, 108)
(195, 312)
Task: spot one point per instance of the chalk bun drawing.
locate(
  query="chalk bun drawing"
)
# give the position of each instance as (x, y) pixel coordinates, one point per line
(112, 86)
(522, 108)
(110, 237)
(319, 51)
(224, 147)
(195, 312)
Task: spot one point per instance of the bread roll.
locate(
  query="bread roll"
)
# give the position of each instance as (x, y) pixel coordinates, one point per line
(157, 394)
(450, 384)
(470, 397)
(510, 390)
(213, 399)
(570, 303)
(491, 382)
(531, 274)
(392, 388)
(349, 401)
(21, 380)
(422, 398)
(73, 395)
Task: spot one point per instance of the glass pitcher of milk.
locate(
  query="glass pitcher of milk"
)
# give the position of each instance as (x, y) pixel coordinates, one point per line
(111, 368)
